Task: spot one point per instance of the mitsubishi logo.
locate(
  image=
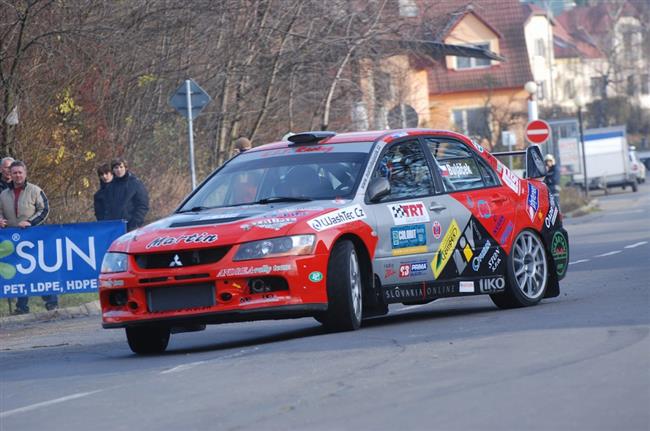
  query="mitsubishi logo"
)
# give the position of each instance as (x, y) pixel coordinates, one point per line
(176, 261)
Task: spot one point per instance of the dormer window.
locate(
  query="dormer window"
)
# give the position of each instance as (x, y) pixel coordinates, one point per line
(474, 63)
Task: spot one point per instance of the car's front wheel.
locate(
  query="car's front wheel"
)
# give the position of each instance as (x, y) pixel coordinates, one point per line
(145, 340)
(344, 289)
(527, 273)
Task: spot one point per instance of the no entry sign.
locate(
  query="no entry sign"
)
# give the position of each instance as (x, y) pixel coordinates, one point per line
(538, 131)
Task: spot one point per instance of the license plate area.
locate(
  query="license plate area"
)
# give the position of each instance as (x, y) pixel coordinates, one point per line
(182, 297)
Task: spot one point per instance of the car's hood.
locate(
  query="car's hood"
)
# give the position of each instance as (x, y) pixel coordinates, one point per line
(222, 226)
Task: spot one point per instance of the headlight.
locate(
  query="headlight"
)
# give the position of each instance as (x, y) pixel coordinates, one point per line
(284, 246)
(114, 262)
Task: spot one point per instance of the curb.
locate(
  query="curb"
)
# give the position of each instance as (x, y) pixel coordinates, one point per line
(583, 210)
(89, 309)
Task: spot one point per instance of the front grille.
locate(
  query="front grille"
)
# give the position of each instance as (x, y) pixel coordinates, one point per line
(181, 259)
(170, 298)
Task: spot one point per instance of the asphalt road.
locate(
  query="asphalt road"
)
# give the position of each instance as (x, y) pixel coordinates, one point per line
(577, 362)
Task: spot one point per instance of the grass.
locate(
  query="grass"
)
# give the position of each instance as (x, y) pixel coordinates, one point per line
(36, 303)
(571, 199)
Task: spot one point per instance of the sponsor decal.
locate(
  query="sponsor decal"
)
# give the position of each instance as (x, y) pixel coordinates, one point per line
(315, 276)
(314, 149)
(492, 285)
(533, 201)
(467, 243)
(275, 223)
(252, 270)
(560, 253)
(408, 236)
(478, 147)
(484, 209)
(549, 221)
(264, 297)
(415, 293)
(508, 177)
(506, 233)
(389, 272)
(195, 238)
(218, 216)
(470, 202)
(459, 169)
(476, 262)
(495, 260)
(498, 225)
(398, 135)
(466, 287)
(408, 213)
(412, 269)
(437, 229)
(371, 165)
(337, 218)
(447, 244)
(444, 171)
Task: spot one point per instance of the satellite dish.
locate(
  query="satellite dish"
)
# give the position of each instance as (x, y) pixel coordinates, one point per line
(402, 116)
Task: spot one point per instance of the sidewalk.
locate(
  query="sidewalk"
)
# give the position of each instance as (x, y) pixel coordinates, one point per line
(83, 310)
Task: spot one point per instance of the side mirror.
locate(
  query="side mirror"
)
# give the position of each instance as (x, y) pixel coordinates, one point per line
(378, 188)
(535, 167)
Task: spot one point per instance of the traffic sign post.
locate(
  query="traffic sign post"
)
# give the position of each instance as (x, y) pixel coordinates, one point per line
(538, 131)
(189, 100)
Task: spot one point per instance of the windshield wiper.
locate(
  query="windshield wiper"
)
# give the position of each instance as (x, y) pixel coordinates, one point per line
(194, 209)
(272, 199)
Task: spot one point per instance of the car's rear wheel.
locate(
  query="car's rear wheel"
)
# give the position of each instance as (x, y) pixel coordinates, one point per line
(528, 273)
(147, 340)
(344, 289)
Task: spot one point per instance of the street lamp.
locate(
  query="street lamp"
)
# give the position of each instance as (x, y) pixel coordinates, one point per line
(531, 89)
(580, 103)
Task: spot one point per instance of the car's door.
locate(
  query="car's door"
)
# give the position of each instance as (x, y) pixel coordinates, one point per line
(405, 218)
(482, 213)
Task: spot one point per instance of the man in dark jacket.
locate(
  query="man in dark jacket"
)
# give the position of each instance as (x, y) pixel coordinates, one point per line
(127, 198)
(100, 198)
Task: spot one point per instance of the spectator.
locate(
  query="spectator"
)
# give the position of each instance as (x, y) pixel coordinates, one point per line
(551, 177)
(5, 179)
(242, 144)
(105, 176)
(127, 198)
(23, 205)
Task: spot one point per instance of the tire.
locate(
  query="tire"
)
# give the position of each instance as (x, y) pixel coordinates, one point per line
(148, 340)
(344, 290)
(527, 273)
(635, 187)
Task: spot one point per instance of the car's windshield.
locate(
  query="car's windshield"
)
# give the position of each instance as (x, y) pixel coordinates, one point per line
(295, 174)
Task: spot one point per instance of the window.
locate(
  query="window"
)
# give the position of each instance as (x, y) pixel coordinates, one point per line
(598, 87)
(408, 8)
(471, 62)
(645, 84)
(541, 90)
(405, 167)
(569, 90)
(540, 47)
(472, 122)
(459, 168)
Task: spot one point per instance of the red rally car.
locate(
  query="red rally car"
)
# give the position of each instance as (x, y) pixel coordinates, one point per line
(336, 227)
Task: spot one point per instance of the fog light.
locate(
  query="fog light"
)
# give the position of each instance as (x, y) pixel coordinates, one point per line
(118, 297)
(226, 296)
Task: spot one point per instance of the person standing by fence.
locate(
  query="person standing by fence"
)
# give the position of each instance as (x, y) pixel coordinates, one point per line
(23, 205)
(101, 196)
(127, 198)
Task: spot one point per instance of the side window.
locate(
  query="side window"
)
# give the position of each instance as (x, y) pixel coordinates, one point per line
(405, 167)
(458, 167)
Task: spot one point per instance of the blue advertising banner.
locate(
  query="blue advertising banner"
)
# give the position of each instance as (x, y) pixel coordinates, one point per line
(54, 259)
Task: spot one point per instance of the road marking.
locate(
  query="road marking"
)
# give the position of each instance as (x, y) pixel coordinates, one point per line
(578, 261)
(184, 367)
(609, 254)
(636, 244)
(47, 403)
